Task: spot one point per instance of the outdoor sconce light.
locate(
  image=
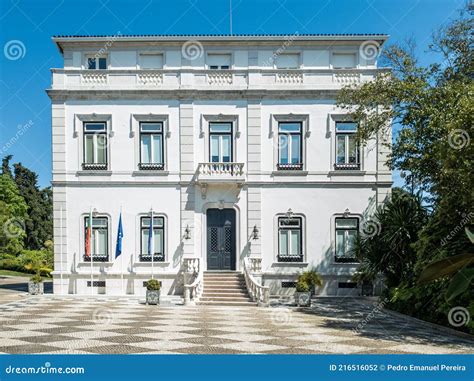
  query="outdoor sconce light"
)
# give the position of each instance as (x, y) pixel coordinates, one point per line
(187, 232)
(95, 212)
(346, 213)
(255, 232)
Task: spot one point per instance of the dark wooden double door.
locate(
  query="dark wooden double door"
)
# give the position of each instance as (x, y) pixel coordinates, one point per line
(221, 239)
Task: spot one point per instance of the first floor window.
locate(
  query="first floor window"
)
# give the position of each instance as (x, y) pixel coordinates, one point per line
(347, 150)
(96, 242)
(290, 146)
(152, 239)
(96, 63)
(220, 142)
(95, 145)
(151, 145)
(347, 230)
(290, 239)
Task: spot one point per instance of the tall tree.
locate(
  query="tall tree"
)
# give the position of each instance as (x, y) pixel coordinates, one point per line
(13, 211)
(6, 165)
(38, 223)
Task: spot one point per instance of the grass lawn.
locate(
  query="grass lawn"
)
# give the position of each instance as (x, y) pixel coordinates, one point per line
(17, 273)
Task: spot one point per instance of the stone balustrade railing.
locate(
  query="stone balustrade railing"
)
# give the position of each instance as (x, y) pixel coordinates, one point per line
(221, 169)
(258, 293)
(193, 280)
(186, 78)
(255, 264)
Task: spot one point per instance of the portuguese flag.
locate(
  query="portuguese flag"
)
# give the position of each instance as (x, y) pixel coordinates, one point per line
(89, 235)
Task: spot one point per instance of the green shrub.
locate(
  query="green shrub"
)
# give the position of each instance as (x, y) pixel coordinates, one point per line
(302, 286)
(153, 285)
(36, 278)
(311, 277)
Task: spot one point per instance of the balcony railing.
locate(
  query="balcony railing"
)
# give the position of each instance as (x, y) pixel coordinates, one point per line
(347, 166)
(221, 171)
(94, 166)
(188, 78)
(151, 166)
(290, 167)
(147, 258)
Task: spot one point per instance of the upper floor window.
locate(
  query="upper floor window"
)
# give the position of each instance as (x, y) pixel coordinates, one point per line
(151, 61)
(151, 145)
(347, 230)
(95, 146)
(347, 149)
(96, 62)
(290, 239)
(220, 142)
(96, 238)
(290, 147)
(219, 61)
(287, 61)
(343, 60)
(152, 239)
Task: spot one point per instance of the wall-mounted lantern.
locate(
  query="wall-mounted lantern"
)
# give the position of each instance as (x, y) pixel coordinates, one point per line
(187, 232)
(255, 232)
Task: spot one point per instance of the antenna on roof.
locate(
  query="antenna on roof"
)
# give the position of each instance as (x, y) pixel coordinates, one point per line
(230, 16)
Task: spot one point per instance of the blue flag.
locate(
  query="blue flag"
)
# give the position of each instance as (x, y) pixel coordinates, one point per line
(118, 248)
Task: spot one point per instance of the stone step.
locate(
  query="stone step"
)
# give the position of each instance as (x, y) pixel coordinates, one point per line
(233, 277)
(235, 294)
(208, 290)
(225, 298)
(227, 304)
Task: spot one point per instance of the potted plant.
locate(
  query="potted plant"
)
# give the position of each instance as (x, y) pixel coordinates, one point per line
(153, 292)
(313, 279)
(36, 285)
(303, 293)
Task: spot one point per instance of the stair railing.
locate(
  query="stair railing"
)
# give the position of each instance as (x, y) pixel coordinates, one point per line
(258, 293)
(193, 280)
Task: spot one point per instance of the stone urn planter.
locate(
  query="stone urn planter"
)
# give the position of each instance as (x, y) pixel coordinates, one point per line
(303, 298)
(153, 292)
(36, 285)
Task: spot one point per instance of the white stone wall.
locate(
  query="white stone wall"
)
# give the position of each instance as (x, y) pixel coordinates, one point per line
(318, 192)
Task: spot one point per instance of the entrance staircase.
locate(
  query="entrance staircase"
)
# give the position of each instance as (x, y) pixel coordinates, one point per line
(225, 288)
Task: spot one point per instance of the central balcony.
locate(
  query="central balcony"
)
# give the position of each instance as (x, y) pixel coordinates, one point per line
(221, 172)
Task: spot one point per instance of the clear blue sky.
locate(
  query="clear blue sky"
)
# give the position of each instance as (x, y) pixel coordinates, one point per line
(33, 22)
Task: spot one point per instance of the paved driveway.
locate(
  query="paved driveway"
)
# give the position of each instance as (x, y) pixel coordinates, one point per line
(50, 324)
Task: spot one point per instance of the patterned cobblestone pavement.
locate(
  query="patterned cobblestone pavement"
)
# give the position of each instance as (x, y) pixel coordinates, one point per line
(93, 325)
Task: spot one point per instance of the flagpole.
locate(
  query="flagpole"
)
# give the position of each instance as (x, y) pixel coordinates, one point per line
(90, 251)
(121, 260)
(152, 246)
(61, 247)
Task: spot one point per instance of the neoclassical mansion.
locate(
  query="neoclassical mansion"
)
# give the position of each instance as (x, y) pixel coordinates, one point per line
(222, 155)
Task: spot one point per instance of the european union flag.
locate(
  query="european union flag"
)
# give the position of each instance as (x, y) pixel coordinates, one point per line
(118, 248)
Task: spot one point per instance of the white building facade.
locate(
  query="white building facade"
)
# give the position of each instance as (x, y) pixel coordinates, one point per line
(233, 143)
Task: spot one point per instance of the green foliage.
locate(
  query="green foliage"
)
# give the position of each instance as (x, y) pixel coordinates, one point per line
(153, 285)
(36, 278)
(302, 286)
(310, 277)
(29, 261)
(432, 107)
(39, 220)
(13, 211)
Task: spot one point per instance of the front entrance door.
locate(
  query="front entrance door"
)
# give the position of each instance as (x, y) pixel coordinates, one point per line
(221, 239)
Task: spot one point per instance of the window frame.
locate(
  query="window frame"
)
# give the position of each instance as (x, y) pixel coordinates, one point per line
(288, 257)
(96, 58)
(151, 165)
(345, 52)
(291, 166)
(144, 257)
(150, 53)
(347, 134)
(220, 67)
(94, 258)
(230, 134)
(298, 66)
(95, 165)
(345, 259)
